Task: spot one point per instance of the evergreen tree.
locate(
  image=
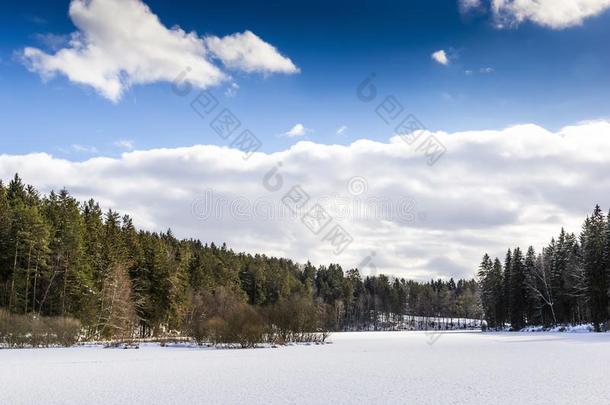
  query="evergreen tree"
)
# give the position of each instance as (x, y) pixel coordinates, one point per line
(506, 291)
(594, 245)
(488, 296)
(517, 290)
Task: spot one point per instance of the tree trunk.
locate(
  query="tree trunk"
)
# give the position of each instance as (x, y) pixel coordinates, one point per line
(27, 280)
(44, 298)
(63, 295)
(35, 281)
(10, 299)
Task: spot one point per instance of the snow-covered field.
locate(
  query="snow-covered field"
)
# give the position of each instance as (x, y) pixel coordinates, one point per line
(359, 367)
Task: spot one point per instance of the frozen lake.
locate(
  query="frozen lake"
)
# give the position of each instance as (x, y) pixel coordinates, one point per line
(366, 367)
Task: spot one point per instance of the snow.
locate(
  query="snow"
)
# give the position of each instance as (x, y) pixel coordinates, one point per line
(586, 328)
(359, 367)
(573, 328)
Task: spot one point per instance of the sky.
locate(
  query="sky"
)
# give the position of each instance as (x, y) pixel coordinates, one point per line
(104, 97)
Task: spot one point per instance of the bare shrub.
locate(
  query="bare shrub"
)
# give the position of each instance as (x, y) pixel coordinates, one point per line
(223, 317)
(296, 319)
(244, 326)
(13, 329)
(65, 330)
(37, 331)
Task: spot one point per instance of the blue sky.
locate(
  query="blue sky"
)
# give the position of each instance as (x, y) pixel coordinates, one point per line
(514, 91)
(550, 77)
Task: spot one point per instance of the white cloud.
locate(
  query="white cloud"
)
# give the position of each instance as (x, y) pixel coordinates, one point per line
(126, 144)
(484, 71)
(440, 56)
(492, 190)
(120, 43)
(247, 52)
(555, 14)
(297, 130)
(231, 90)
(341, 130)
(468, 5)
(84, 148)
(53, 41)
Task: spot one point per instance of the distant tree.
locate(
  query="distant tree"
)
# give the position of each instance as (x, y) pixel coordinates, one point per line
(60, 257)
(507, 287)
(594, 245)
(517, 290)
(538, 281)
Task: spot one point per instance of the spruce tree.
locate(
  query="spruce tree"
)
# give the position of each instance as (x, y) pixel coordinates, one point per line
(506, 290)
(593, 240)
(517, 290)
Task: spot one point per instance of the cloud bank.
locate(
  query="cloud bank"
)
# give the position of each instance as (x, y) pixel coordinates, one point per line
(121, 43)
(492, 189)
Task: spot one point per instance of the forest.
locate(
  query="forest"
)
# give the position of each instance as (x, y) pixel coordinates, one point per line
(69, 271)
(568, 282)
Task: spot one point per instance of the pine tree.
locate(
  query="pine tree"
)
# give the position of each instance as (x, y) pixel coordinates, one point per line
(517, 290)
(533, 306)
(506, 291)
(68, 279)
(488, 297)
(593, 240)
(58, 257)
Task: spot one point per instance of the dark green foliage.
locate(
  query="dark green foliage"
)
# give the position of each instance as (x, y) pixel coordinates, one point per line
(569, 282)
(62, 258)
(492, 290)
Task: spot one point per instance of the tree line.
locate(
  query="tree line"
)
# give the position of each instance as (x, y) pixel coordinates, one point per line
(568, 282)
(62, 258)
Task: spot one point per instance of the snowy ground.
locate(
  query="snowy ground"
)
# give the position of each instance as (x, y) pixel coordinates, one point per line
(364, 367)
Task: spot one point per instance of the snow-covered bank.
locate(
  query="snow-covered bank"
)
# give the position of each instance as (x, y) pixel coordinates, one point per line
(359, 367)
(561, 328)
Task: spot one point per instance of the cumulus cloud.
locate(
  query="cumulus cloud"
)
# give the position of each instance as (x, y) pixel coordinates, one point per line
(247, 52)
(126, 144)
(555, 14)
(120, 43)
(440, 56)
(492, 190)
(296, 131)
